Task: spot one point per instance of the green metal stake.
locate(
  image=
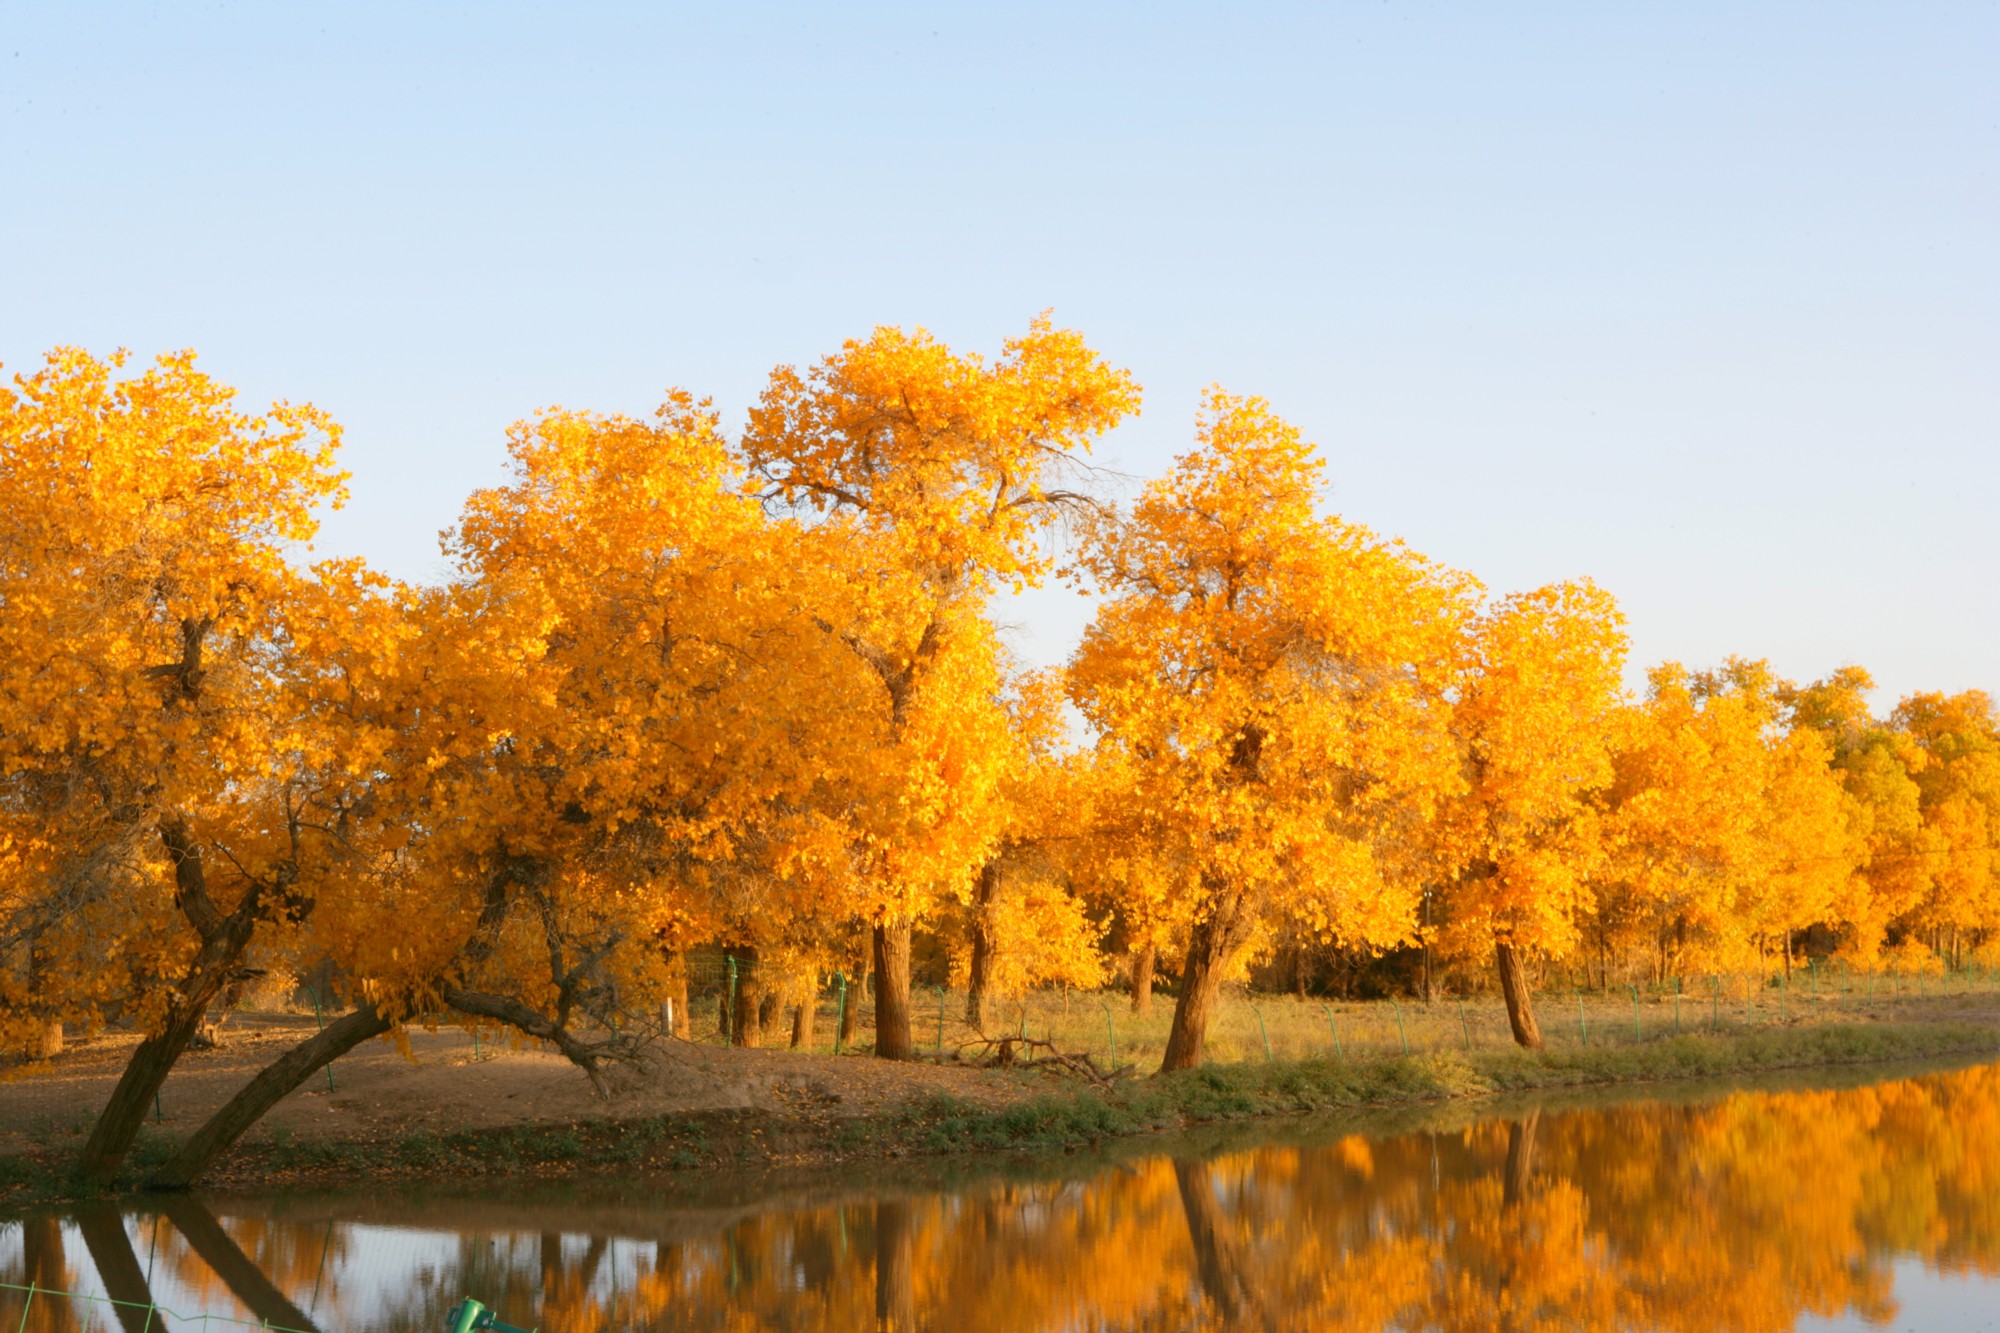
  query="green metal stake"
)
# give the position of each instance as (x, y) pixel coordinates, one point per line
(1401, 1031)
(940, 1040)
(840, 1013)
(1264, 1030)
(1463, 1024)
(1334, 1028)
(1637, 1034)
(159, 1112)
(1110, 1031)
(321, 1016)
(729, 1003)
(1582, 1023)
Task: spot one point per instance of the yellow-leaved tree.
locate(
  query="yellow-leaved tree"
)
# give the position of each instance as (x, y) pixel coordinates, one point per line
(176, 784)
(933, 475)
(1268, 678)
(1536, 715)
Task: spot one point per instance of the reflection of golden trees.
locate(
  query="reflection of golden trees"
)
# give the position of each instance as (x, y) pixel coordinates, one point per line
(1746, 1213)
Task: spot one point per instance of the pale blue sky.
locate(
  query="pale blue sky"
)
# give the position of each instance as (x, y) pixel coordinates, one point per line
(1700, 300)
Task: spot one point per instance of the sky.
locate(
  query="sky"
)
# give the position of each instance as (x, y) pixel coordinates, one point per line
(1701, 301)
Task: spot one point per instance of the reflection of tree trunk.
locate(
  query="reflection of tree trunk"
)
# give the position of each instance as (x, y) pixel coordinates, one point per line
(103, 1231)
(747, 1014)
(1520, 1004)
(1217, 1261)
(1211, 944)
(984, 895)
(892, 992)
(1520, 1157)
(1143, 961)
(238, 1272)
(45, 1265)
(895, 1288)
(278, 1080)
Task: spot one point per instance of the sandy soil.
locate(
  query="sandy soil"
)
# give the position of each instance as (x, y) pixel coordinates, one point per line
(441, 1085)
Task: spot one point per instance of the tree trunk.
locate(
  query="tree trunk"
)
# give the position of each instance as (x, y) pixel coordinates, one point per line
(1212, 943)
(223, 942)
(277, 1081)
(1520, 1005)
(892, 992)
(980, 982)
(769, 1011)
(747, 1007)
(226, 1259)
(802, 1017)
(1143, 960)
(850, 1013)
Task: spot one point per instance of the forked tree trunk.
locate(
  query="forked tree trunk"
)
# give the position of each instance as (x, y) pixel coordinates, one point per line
(1212, 943)
(278, 1080)
(1143, 961)
(892, 992)
(1514, 989)
(980, 982)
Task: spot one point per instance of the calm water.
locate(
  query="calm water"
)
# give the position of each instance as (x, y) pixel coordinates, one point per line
(1871, 1206)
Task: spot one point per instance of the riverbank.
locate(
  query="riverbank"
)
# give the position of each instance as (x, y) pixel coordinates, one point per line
(799, 1119)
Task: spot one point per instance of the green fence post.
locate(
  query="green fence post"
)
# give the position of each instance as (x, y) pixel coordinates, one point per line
(1401, 1031)
(1464, 1024)
(321, 1017)
(729, 1002)
(28, 1308)
(1637, 1034)
(1264, 1031)
(1334, 1028)
(1781, 997)
(159, 1111)
(840, 1010)
(1110, 1031)
(1582, 1023)
(940, 1040)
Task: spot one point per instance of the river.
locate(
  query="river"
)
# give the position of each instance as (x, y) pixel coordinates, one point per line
(1870, 1205)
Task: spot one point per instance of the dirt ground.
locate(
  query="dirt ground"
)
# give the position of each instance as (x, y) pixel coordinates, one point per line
(441, 1084)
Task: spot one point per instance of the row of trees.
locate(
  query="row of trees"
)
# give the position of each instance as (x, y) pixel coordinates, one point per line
(685, 690)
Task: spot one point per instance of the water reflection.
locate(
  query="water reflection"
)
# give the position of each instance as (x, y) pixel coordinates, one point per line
(1752, 1212)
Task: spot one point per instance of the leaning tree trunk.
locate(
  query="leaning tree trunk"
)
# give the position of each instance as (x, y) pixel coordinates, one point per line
(1213, 942)
(980, 982)
(118, 1125)
(1143, 962)
(278, 1080)
(892, 992)
(1514, 989)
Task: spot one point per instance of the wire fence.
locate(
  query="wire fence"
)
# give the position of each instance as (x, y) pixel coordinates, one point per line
(45, 1310)
(732, 1001)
